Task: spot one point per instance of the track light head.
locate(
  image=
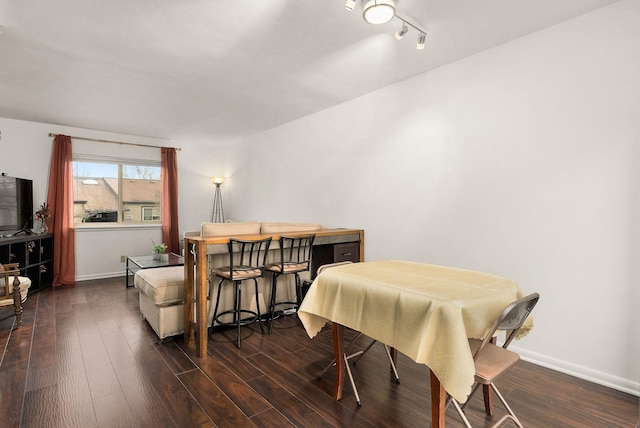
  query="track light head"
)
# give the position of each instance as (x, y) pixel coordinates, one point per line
(402, 31)
(421, 39)
(350, 4)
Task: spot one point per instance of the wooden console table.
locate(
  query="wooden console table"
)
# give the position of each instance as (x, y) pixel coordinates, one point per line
(327, 249)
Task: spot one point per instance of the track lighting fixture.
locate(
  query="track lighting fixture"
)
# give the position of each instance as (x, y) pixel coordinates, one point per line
(405, 28)
(381, 11)
(401, 32)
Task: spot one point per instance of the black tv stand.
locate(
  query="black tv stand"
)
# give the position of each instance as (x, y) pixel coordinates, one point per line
(34, 255)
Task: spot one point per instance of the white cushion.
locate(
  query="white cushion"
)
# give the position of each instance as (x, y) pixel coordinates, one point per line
(279, 227)
(226, 229)
(25, 283)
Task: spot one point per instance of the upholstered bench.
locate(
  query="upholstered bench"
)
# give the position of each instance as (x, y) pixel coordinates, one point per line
(162, 299)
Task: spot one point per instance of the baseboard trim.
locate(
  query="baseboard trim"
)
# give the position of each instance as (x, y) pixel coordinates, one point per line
(581, 372)
(99, 276)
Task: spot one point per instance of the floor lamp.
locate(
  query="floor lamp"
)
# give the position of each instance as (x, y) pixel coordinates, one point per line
(217, 213)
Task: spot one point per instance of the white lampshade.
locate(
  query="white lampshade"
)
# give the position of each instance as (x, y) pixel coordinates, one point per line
(217, 180)
(379, 11)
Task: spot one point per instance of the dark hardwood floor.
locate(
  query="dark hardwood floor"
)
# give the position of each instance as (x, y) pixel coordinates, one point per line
(84, 357)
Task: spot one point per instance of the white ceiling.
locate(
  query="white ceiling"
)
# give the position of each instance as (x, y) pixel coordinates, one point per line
(213, 70)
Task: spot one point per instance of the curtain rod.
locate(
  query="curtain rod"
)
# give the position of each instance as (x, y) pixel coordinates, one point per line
(51, 134)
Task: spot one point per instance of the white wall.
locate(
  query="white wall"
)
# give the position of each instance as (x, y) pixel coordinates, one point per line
(519, 161)
(199, 162)
(25, 151)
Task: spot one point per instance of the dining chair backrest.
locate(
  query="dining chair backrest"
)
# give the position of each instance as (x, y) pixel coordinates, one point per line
(331, 265)
(9, 273)
(11, 294)
(247, 256)
(511, 319)
(296, 250)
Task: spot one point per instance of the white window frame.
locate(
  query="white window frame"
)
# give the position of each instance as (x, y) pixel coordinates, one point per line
(151, 208)
(120, 224)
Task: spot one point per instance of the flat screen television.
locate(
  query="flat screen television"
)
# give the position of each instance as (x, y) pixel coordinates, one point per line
(16, 204)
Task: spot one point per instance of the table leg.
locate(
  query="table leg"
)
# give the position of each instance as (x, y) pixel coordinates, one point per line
(201, 299)
(189, 282)
(126, 272)
(394, 357)
(438, 402)
(488, 399)
(338, 349)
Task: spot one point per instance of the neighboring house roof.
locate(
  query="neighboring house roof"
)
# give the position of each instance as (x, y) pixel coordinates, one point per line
(95, 193)
(137, 191)
(99, 194)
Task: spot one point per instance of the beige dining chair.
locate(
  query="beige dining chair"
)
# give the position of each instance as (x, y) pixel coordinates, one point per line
(491, 361)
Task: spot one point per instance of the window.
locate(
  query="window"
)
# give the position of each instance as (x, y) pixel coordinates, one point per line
(116, 191)
(150, 213)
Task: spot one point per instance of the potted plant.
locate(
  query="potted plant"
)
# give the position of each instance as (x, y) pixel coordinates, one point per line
(159, 252)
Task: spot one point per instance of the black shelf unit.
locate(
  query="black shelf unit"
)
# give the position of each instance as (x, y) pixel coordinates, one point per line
(34, 254)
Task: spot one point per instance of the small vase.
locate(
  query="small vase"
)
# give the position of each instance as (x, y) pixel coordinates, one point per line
(43, 227)
(156, 256)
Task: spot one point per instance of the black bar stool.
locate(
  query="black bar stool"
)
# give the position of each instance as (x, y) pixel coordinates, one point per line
(295, 257)
(246, 261)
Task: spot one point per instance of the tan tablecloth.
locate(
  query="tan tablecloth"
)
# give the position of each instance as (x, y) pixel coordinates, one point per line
(427, 312)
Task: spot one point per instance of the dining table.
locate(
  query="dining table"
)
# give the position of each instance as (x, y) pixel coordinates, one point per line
(424, 311)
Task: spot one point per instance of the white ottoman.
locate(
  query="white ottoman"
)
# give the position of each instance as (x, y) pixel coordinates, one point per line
(162, 299)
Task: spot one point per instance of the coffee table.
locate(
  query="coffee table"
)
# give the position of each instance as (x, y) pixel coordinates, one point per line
(135, 263)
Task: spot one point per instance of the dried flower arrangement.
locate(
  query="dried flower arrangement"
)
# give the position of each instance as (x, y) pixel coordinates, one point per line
(43, 213)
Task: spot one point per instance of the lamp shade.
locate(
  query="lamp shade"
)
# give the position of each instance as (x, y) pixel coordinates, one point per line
(379, 11)
(217, 180)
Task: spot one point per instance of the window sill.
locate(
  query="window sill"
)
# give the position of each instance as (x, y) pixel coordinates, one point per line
(97, 227)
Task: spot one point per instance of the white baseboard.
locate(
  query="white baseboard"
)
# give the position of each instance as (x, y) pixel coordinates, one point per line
(595, 376)
(100, 276)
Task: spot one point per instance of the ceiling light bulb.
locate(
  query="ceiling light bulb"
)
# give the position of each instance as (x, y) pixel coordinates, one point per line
(379, 11)
(350, 5)
(421, 39)
(401, 32)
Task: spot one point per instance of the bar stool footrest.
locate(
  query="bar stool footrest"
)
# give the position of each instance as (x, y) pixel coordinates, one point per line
(253, 317)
